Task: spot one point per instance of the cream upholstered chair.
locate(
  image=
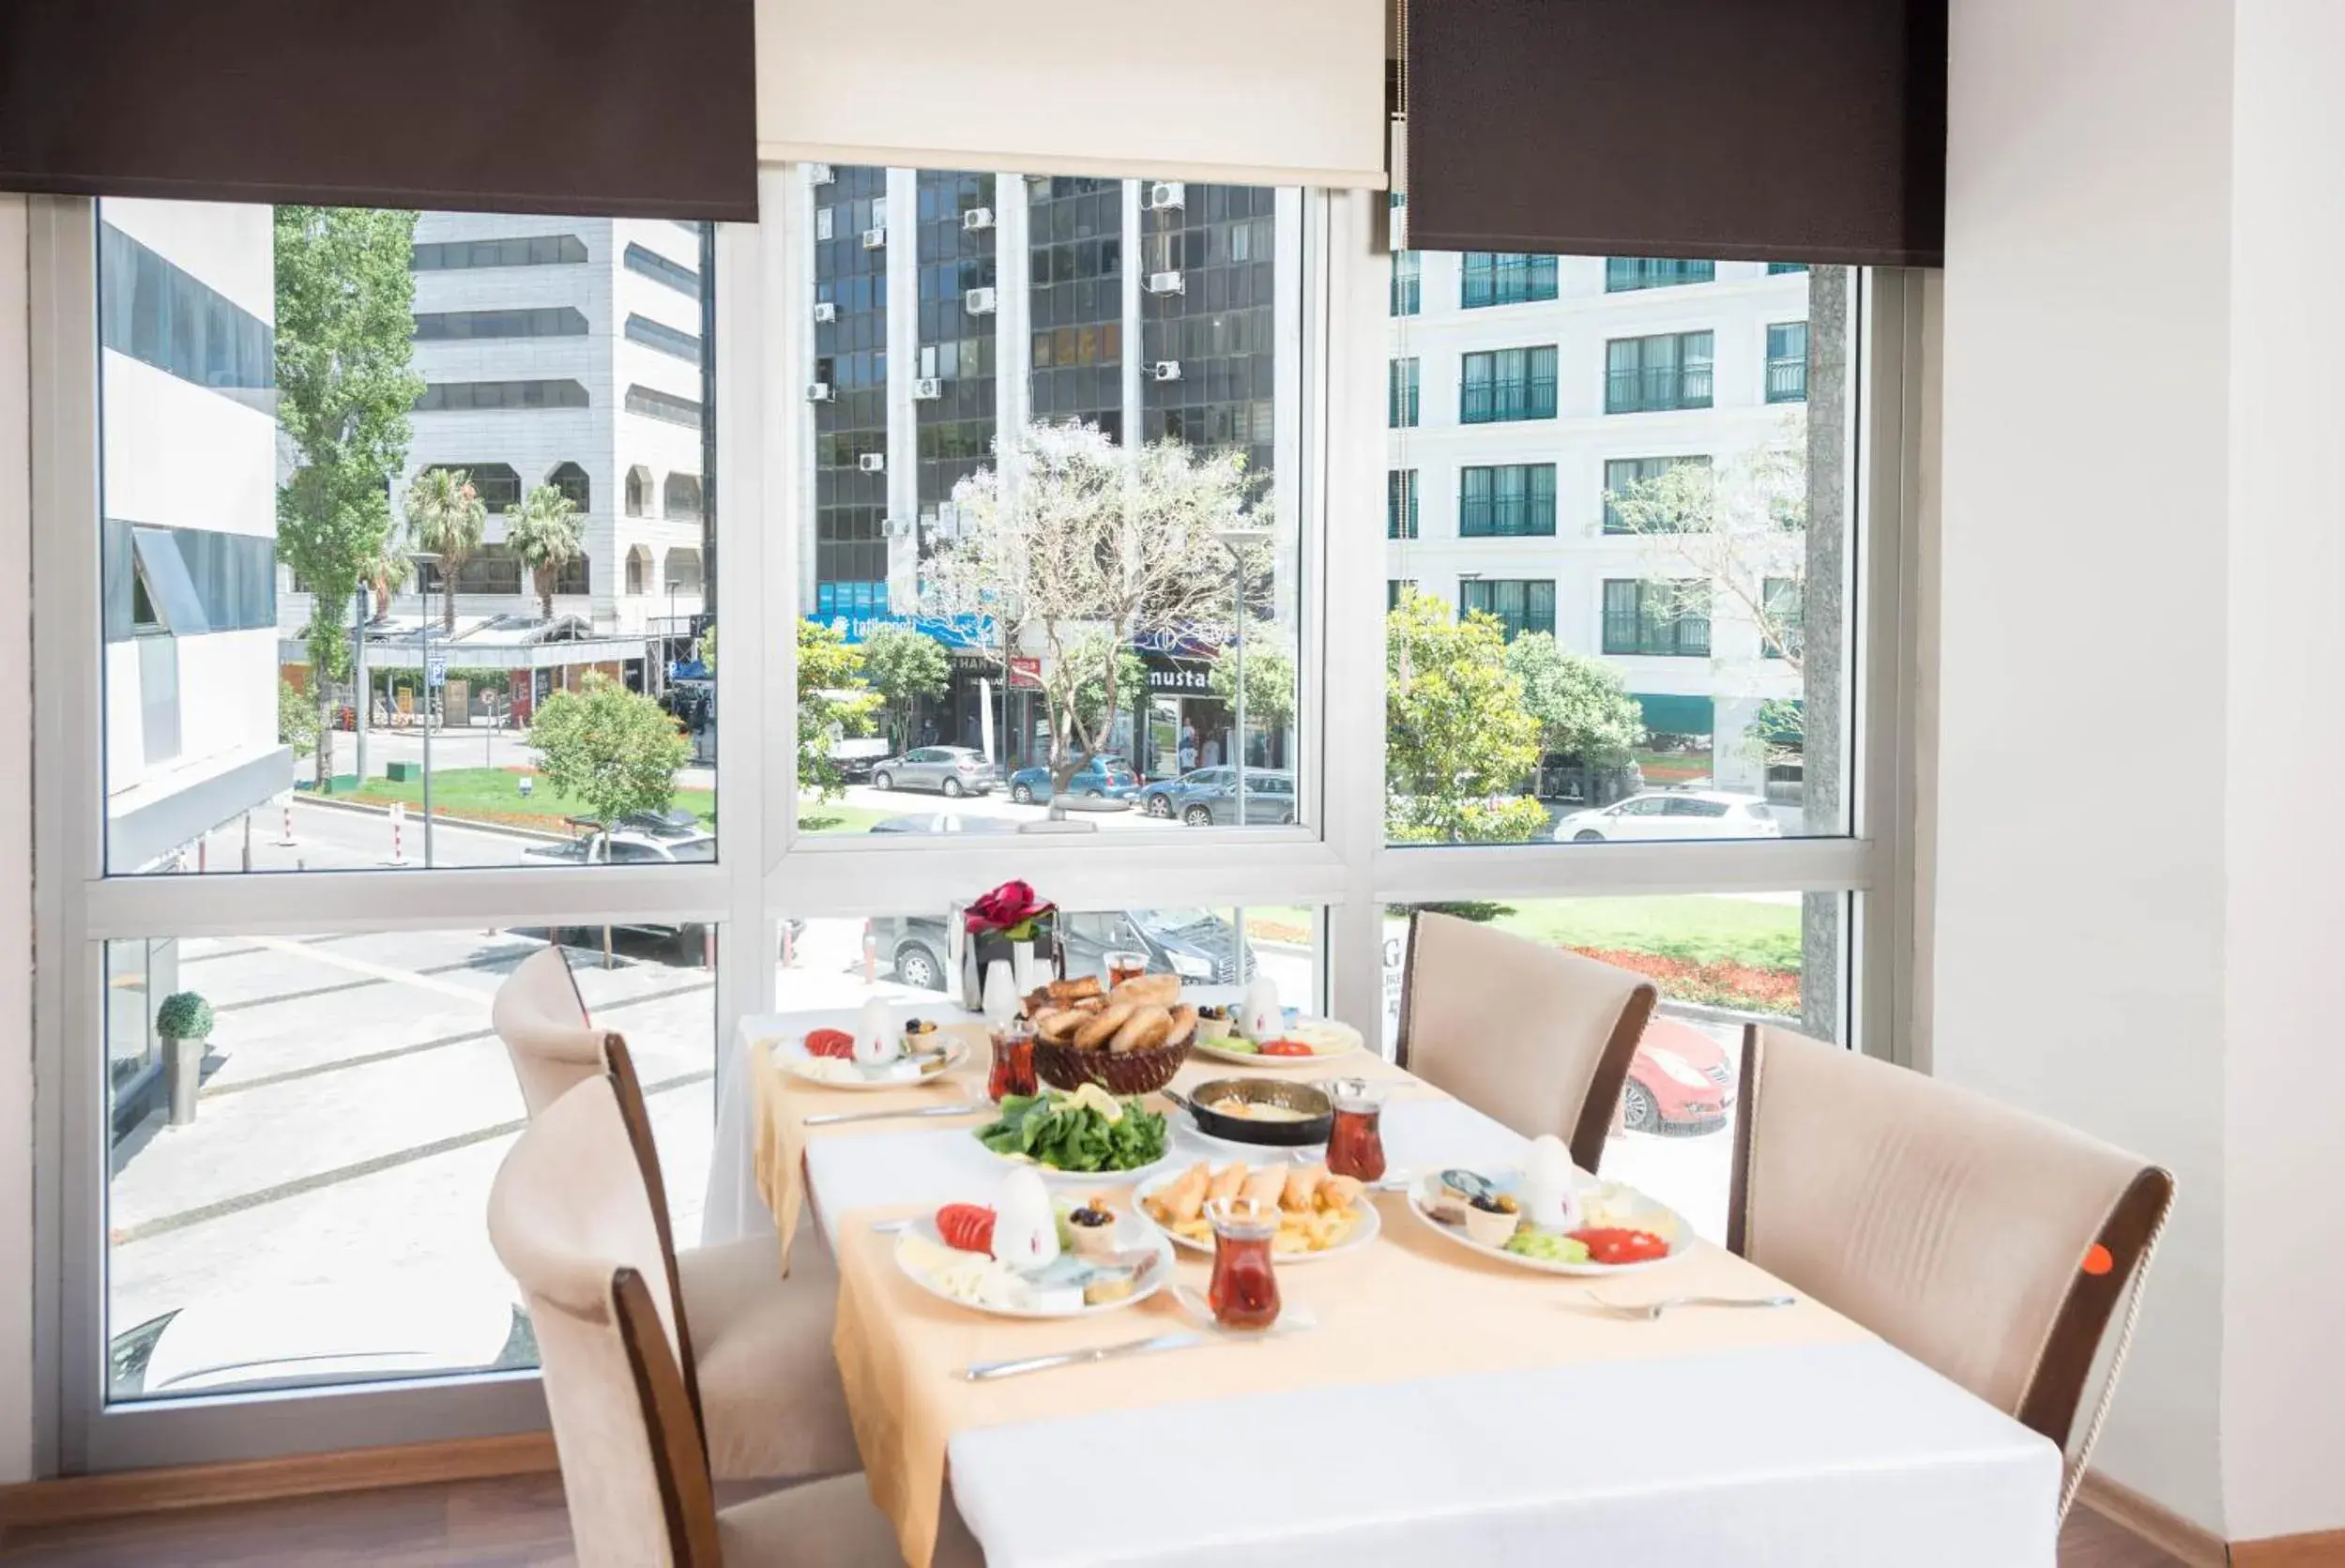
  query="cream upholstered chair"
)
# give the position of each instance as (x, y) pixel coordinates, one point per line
(1533, 1036)
(1990, 1244)
(755, 1347)
(571, 1220)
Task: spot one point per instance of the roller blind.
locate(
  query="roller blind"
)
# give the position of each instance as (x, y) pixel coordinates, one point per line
(1796, 130)
(1253, 92)
(640, 108)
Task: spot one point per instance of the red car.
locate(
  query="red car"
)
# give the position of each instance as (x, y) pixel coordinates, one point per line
(1680, 1081)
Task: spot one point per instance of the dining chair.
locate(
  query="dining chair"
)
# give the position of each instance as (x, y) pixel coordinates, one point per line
(753, 1345)
(1991, 1246)
(579, 1235)
(1533, 1036)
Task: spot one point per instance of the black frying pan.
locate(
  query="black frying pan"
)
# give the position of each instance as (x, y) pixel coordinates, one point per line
(1319, 1120)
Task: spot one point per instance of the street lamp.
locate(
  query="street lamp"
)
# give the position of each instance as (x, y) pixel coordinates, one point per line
(423, 634)
(1238, 542)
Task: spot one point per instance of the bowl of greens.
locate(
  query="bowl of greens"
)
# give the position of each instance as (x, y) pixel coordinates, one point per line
(1086, 1134)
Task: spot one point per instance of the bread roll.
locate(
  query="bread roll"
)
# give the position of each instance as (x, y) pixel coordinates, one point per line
(1057, 1026)
(1184, 1025)
(1066, 992)
(1146, 1030)
(1149, 990)
(1103, 1025)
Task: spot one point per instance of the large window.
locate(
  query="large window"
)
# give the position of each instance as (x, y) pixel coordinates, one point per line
(1669, 617)
(1400, 503)
(1518, 604)
(452, 396)
(1401, 393)
(1645, 374)
(1509, 500)
(1507, 384)
(1407, 284)
(545, 250)
(1622, 274)
(551, 321)
(1505, 277)
(662, 269)
(1787, 362)
(1653, 495)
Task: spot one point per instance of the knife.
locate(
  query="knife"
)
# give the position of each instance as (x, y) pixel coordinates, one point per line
(833, 1118)
(985, 1372)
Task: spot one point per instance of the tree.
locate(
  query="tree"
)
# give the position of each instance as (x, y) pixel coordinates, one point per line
(1269, 680)
(613, 750)
(346, 328)
(832, 702)
(1458, 740)
(1583, 710)
(543, 532)
(296, 719)
(385, 570)
(1071, 535)
(445, 517)
(903, 665)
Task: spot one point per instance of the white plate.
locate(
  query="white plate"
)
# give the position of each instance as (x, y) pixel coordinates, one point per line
(1093, 1177)
(790, 1054)
(1681, 1240)
(1136, 1237)
(1371, 1223)
(1345, 1040)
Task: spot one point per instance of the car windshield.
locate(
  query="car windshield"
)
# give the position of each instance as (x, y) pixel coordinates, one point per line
(1174, 921)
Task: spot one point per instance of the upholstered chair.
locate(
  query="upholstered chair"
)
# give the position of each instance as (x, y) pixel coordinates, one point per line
(1533, 1036)
(1990, 1244)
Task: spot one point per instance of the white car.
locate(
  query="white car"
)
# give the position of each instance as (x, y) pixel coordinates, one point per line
(1672, 813)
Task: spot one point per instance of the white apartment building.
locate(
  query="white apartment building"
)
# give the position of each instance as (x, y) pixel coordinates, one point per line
(1530, 402)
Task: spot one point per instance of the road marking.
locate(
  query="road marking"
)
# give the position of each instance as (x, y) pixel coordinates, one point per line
(377, 971)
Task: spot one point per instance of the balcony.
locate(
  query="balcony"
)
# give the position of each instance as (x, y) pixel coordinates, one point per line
(1654, 388)
(1787, 380)
(1494, 403)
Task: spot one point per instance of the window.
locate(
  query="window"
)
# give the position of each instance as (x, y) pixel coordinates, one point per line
(655, 404)
(666, 339)
(1624, 273)
(572, 481)
(1519, 604)
(1400, 503)
(1670, 371)
(1513, 500)
(1667, 617)
(496, 483)
(1507, 384)
(545, 250)
(1640, 497)
(659, 269)
(1787, 362)
(638, 568)
(1395, 588)
(560, 320)
(1776, 269)
(1401, 379)
(1505, 277)
(680, 498)
(441, 397)
(1407, 284)
(638, 491)
(1209, 348)
(161, 315)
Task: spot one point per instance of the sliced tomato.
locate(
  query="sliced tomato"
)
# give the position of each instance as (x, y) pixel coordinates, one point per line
(1286, 1048)
(967, 1227)
(830, 1042)
(1606, 1244)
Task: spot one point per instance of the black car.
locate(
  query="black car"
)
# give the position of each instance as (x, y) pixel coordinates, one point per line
(1196, 944)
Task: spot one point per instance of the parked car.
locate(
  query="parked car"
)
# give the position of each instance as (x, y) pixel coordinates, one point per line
(672, 824)
(1672, 813)
(1166, 797)
(1103, 777)
(943, 822)
(297, 1335)
(1680, 1080)
(630, 847)
(857, 756)
(954, 770)
(1270, 799)
(1196, 944)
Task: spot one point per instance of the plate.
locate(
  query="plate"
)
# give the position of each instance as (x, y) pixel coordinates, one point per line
(790, 1056)
(1092, 1178)
(1330, 1038)
(1137, 1239)
(1371, 1223)
(1680, 1240)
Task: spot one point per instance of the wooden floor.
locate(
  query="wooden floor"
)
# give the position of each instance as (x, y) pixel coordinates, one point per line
(509, 1523)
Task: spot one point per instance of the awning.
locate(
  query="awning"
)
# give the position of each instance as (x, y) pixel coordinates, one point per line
(1670, 713)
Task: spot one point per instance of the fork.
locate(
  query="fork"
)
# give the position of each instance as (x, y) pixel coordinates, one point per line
(1652, 1311)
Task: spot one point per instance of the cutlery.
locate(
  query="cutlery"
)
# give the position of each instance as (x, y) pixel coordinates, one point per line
(986, 1372)
(832, 1119)
(1650, 1311)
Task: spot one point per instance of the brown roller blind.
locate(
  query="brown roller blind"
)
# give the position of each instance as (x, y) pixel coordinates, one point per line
(1806, 131)
(642, 108)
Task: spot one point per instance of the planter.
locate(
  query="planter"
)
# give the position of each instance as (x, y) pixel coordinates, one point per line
(183, 1073)
(1032, 963)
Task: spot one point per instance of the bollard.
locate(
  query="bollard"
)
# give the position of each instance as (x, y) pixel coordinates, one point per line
(398, 822)
(288, 840)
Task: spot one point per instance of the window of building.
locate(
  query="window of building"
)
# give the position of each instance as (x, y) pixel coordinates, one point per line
(1407, 284)
(680, 498)
(1401, 393)
(1650, 507)
(1667, 371)
(545, 250)
(1662, 616)
(162, 316)
(454, 396)
(1507, 384)
(1074, 299)
(1787, 362)
(497, 486)
(660, 336)
(1507, 500)
(1209, 348)
(653, 404)
(682, 571)
(570, 479)
(1504, 277)
(1776, 269)
(1519, 604)
(638, 491)
(1400, 503)
(1624, 273)
(1782, 603)
(1396, 590)
(659, 269)
(552, 321)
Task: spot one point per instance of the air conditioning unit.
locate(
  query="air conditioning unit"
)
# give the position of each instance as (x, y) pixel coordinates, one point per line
(1165, 283)
(817, 391)
(1165, 370)
(825, 310)
(978, 218)
(875, 239)
(873, 462)
(978, 302)
(928, 388)
(1166, 193)
(820, 173)
(822, 222)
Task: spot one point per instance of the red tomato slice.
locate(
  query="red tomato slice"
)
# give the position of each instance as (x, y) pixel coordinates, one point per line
(1283, 1048)
(1607, 1244)
(966, 1227)
(831, 1042)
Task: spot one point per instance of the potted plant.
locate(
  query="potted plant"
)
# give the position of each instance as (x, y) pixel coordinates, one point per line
(184, 1023)
(1014, 925)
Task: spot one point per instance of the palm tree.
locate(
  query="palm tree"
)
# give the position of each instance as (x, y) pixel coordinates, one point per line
(543, 532)
(446, 518)
(385, 571)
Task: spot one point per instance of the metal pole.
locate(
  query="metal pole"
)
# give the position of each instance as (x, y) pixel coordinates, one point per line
(426, 631)
(359, 681)
(1238, 567)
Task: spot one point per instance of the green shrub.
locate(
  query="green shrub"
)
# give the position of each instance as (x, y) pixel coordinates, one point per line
(184, 1015)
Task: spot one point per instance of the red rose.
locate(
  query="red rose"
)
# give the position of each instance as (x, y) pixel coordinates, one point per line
(1011, 904)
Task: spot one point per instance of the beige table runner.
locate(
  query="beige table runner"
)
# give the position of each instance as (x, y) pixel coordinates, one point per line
(1412, 1305)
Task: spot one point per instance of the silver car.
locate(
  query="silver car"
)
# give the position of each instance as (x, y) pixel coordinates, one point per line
(953, 770)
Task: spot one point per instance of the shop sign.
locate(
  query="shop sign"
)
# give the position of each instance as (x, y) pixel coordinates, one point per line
(1179, 677)
(1026, 674)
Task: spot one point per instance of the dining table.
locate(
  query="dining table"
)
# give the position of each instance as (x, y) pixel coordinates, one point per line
(1442, 1407)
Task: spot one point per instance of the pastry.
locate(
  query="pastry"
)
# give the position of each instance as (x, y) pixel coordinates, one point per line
(1226, 1183)
(1066, 993)
(1149, 990)
(1058, 1025)
(1341, 1191)
(1184, 1200)
(1301, 1183)
(1146, 1029)
(1263, 1187)
(1103, 1025)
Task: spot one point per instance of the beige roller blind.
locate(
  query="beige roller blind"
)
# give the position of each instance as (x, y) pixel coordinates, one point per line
(1253, 92)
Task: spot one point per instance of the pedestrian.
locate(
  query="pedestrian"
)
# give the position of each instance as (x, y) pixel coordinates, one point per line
(1187, 755)
(1212, 751)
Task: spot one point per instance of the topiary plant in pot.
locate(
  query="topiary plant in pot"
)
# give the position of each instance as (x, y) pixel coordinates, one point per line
(184, 1023)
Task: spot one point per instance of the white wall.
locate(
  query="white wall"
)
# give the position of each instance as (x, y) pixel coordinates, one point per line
(16, 860)
(2079, 919)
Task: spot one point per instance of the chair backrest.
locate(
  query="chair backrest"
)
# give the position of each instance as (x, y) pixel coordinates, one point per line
(569, 1219)
(1958, 1229)
(1536, 1036)
(538, 1014)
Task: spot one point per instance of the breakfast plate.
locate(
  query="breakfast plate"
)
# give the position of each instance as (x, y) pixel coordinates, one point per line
(948, 1052)
(1089, 1136)
(1608, 1206)
(1310, 1225)
(1328, 1038)
(977, 1281)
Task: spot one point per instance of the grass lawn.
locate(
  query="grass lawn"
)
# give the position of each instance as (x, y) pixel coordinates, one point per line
(494, 795)
(837, 816)
(1703, 928)
(1668, 768)
(1279, 922)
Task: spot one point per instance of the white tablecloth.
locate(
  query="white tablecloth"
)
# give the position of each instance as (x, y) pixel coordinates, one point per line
(1830, 1456)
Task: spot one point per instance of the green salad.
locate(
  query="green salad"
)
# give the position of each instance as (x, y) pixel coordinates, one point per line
(1547, 1246)
(1089, 1130)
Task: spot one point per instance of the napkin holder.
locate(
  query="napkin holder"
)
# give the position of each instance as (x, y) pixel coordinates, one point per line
(1033, 962)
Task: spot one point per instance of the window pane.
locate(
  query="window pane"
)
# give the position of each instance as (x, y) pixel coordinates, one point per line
(315, 1217)
(260, 570)
(1643, 511)
(970, 586)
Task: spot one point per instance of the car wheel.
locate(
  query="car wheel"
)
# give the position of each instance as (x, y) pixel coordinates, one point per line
(1586, 835)
(1158, 806)
(883, 781)
(919, 968)
(1094, 794)
(1639, 1112)
(952, 789)
(1198, 817)
(1286, 821)
(1022, 794)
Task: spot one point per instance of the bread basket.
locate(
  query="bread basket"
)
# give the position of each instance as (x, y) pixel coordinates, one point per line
(1119, 1073)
